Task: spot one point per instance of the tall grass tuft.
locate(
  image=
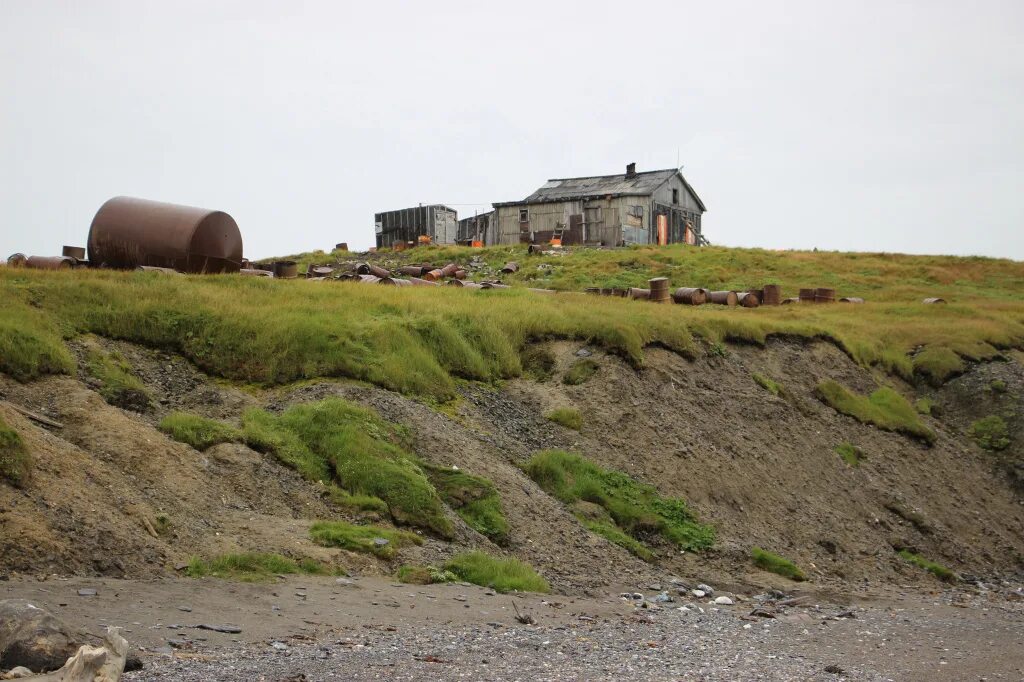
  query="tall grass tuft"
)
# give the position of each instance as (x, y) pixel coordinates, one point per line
(776, 564)
(15, 461)
(253, 567)
(381, 542)
(473, 498)
(502, 575)
(197, 431)
(885, 408)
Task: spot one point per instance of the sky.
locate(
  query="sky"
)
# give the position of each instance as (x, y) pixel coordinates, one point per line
(869, 126)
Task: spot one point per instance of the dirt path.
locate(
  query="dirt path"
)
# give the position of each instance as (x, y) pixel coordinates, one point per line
(376, 629)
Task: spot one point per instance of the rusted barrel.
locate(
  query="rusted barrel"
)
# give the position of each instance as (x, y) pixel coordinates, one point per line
(593, 291)
(747, 299)
(128, 232)
(17, 260)
(449, 270)
(371, 269)
(760, 295)
(511, 267)
(465, 285)
(535, 249)
(659, 290)
(851, 299)
(413, 270)
(433, 275)
(690, 296)
(790, 301)
(460, 274)
(162, 271)
(319, 271)
(286, 269)
(341, 246)
(931, 301)
(620, 292)
(49, 262)
(252, 272)
(76, 252)
(723, 297)
(394, 282)
(638, 294)
(807, 295)
(772, 294)
(494, 285)
(607, 291)
(417, 282)
(823, 295)
(367, 279)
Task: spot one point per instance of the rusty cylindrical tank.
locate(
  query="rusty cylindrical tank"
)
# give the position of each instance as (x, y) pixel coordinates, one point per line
(659, 290)
(286, 269)
(772, 294)
(824, 295)
(510, 267)
(747, 299)
(807, 295)
(412, 270)
(639, 294)
(128, 232)
(449, 270)
(417, 282)
(433, 275)
(690, 296)
(50, 262)
(76, 252)
(17, 260)
(394, 282)
(723, 297)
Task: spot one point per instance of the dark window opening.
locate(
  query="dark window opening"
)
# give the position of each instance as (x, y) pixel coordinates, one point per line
(675, 196)
(524, 215)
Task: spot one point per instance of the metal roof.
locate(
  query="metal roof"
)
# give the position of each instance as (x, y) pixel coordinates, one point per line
(569, 189)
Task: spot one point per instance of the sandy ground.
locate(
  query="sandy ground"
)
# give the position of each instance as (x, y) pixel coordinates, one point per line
(317, 628)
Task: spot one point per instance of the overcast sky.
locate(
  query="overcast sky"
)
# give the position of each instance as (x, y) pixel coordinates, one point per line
(871, 126)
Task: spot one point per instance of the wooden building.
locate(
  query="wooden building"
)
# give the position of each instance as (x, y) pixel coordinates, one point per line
(651, 207)
(437, 222)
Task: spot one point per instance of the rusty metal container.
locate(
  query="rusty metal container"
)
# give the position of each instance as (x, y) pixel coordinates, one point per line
(417, 282)
(931, 301)
(772, 294)
(760, 295)
(49, 262)
(690, 296)
(286, 269)
(162, 271)
(494, 285)
(449, 270)
(511, 267)
(394, 282)
(341, 246)
(723, 297)
(639, 294)
(823, 295)
(17, 260)
(460, 274)
(413, 270)
(319, 271)
(659, 290)
(252, 272)
(851, 299)
(367, 279)
(747, 299)
(807, 295)
(128, 232)
(370, 269)
(594, 291)
(464, 285)
(790, 301)
(76, 252)
(433, 275)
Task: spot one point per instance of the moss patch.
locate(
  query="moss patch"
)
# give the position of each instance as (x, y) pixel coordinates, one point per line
(635, 508)
(991, 433)
(15, 462)
(581, 372)
(938, 570)
(473, 498)
(381, 542)
(254, 567)
(118, 384)
(199, 432)
(885, 408)
(502, 575)
(850, 453)
(767, 384)
(776, 564)
(424, 575)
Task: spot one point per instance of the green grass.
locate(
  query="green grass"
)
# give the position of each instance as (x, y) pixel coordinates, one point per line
(356, 503)
(538, 363)
(502, 575)
(581, 372)
(419, 340)
(938, 570)
(615, 535)
(473, 498)
(254, 567)
(118, 384)
(635, 508)
(850, 453)
(568, 417)
(424, 575)
(15, 461)
(199, 432)
(991, 433)
(997, 386)
(767, 384)
(362, 538)
(885, 408)
(925, 406)
(337, 440)
(776, 564)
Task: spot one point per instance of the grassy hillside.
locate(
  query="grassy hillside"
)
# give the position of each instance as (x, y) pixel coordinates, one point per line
(419, 340)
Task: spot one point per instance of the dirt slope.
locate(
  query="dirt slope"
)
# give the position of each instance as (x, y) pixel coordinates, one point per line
(760, 468)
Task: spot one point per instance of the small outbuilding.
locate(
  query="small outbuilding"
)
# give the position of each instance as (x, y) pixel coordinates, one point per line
(651, 207)
(437, 222)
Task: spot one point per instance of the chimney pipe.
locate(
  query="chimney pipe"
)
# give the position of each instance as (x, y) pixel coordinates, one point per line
(631, 170)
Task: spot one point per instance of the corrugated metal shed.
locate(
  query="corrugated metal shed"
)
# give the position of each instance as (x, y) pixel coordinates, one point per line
(623, 184)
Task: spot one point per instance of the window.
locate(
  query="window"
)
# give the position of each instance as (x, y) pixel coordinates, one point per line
(675, 196)
(524, 215)
(636, 211)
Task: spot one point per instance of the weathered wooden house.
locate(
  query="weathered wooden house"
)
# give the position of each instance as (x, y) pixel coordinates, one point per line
(437, 222)
(653, 207)
(475, 228)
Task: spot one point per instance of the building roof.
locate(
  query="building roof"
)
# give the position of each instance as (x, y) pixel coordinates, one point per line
(575, 189)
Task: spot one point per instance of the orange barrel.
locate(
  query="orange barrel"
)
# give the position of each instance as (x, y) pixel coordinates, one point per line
(460, 274)
(690, 296)
(747, 299)
(449, 270)
(772, 294)
(659, 290)
(723, 297)
(433, 275)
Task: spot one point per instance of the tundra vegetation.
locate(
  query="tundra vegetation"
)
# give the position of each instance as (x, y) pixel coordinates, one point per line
(581, 372)
(776, 564)
(885, 408)
(420, 340)
(15, 461)
(617, 507)
(850, 453)
(568, 417)
(376, 540)
(991, 433)
(500, 574)
(770, 385)
(936, 569)
(254, 567)
(118, 384)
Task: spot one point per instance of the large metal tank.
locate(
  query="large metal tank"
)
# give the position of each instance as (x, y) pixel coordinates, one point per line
(129, 232)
